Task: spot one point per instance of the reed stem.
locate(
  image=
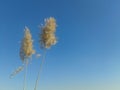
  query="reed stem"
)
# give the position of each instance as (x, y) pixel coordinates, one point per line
(25, 75)
(40, 69)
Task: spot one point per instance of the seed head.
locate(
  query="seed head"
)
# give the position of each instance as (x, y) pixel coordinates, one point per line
(26, 49)
(47, 37)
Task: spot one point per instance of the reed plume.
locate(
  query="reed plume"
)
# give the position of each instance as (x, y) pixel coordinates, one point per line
(26, 52)
(47, 39)
(26, 49)
(47, 36)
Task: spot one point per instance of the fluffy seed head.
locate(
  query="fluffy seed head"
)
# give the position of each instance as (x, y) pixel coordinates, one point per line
(47, 37)
(26, 49)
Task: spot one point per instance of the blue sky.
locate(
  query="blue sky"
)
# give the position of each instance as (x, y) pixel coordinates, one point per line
(86, 56)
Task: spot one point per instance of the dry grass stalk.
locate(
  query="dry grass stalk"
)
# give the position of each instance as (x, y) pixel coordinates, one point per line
(26, 51)
(47, 39)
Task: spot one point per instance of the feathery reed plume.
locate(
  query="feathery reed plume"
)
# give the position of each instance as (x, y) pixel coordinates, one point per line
(26, 49)
(47, 39)
(47, 36)
(26, 52)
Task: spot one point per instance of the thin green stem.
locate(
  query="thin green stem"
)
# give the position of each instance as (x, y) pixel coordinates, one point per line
(40, 69)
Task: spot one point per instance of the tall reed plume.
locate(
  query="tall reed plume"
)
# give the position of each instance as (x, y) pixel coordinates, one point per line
(47, 39)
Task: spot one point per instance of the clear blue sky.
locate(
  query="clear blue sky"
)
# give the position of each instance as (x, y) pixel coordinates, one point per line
(87, 55)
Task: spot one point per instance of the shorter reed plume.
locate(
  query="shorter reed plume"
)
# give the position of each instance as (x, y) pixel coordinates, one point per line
(47, 39)
(26, 51)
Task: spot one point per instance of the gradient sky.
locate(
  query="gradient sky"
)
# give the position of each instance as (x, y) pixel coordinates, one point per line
(87, 55)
